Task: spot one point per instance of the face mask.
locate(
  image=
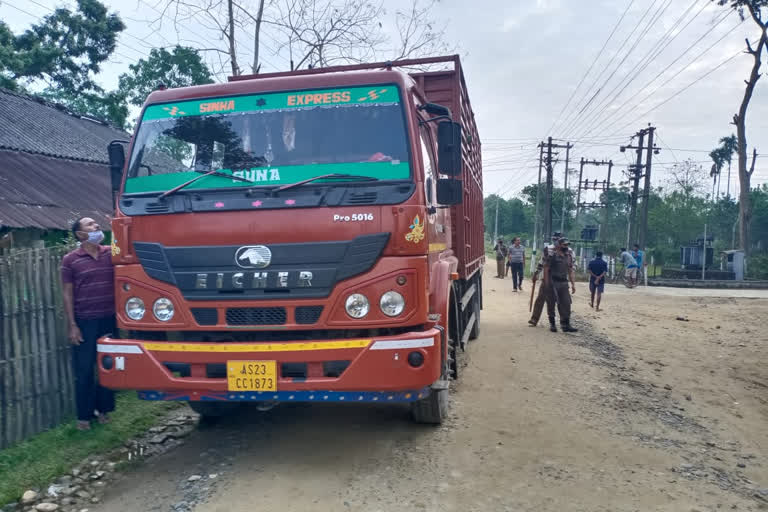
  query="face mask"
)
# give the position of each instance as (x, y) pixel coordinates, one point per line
(95, 237)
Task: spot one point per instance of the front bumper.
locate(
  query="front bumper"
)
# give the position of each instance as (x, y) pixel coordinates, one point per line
(366, 370)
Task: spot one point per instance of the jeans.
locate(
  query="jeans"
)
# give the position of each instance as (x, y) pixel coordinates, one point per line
(517, 274)
(89, 395)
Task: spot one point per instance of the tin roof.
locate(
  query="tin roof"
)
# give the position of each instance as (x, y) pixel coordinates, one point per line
(31, 124)
(44, 192)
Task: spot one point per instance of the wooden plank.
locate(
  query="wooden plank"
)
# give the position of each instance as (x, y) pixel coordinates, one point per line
(18, 416)
(48, 418)
(31, 405)
(63, 347)
(6, 381)
(49, 334)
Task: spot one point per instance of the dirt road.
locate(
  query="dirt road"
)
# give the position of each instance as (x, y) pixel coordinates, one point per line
(638, 411)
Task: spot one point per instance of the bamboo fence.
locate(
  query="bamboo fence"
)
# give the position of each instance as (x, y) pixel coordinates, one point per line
(36, 380)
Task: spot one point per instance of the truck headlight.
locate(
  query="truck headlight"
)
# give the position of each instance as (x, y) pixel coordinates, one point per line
(392, 303)
(163, 309)
(134, 308)
(357, 305)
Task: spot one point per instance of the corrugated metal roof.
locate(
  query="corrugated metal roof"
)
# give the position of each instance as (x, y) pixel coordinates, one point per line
(31, 124)
(51, 193)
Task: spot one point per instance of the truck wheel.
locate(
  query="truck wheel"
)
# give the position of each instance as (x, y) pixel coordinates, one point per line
(474, 333)
(433, 409)
(213, 409)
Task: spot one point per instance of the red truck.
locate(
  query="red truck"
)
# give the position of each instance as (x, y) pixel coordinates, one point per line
(314, 235)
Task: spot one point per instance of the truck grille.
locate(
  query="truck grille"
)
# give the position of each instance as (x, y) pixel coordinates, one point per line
(205, 316)
(256, 316)
(308, 314)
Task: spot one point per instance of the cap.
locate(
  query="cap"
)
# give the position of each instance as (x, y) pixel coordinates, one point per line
(557, 234)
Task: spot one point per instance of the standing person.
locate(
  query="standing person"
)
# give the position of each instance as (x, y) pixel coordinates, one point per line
(545, 295)
(640, 259)
(560, 273)
(501, 255)
(89, 301)
(517, 263)
(630, 267)
(597, 270)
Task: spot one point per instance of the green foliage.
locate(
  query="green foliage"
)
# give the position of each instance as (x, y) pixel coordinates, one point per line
(182, 67)
(107, 106)
(63, 50)
(529, 193)
(515, 217)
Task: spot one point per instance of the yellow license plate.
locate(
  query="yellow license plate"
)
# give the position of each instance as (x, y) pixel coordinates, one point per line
(252, 375)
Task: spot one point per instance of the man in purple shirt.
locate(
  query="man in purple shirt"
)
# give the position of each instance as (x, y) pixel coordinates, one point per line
(89, 302)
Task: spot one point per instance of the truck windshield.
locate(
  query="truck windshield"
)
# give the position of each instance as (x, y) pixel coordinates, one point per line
(271, 139)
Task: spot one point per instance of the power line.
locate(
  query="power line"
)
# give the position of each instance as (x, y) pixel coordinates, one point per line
(694, 60)
(246, 47)
(39, 18)
(726, 61)
(569, 123)
(653, 53)
(599, 54)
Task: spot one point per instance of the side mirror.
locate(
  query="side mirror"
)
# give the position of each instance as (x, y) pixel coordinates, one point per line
(435, 109)
(449, 148)
(116, 163)
(449, 191)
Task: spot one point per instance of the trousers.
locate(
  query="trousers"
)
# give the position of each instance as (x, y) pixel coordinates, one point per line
(517, 274)
(500, 267)
(544, 296)
(89, 395)
(562, 294)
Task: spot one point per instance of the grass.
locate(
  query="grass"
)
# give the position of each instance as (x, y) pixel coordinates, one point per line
(42, 458)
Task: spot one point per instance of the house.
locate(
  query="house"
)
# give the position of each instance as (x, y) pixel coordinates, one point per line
(53, 169)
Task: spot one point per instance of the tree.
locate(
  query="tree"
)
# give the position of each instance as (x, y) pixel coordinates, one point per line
(730, 146)
(313, 33)
(515, 218)
(687, 178)
(718, 157)
(755, 10)
(181, 67)
(105, 106)
(62, 51)
(320, 34)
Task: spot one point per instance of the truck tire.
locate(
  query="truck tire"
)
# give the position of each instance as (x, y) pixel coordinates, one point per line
(213, 409)
(431, 410)
(474, 333)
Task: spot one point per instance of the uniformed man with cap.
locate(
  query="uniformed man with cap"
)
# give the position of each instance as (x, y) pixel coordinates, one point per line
(544, 296)
(559, 266)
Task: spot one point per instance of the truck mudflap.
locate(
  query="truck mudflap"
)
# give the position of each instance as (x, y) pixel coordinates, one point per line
(380, 369)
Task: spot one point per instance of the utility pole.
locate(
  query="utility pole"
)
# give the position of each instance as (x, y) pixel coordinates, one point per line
(578, 191)
(550, 179)
(643, 231)
(565, 187)
(536, 211)
(635, 172)
(496, 224)
(548, 199)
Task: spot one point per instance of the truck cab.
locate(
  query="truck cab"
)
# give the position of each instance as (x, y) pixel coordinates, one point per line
(291, 237)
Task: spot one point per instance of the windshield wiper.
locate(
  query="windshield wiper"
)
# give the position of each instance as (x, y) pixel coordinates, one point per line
(204, 174)
(326, 177)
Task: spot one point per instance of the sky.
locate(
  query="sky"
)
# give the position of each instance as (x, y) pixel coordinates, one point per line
(591, 72)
